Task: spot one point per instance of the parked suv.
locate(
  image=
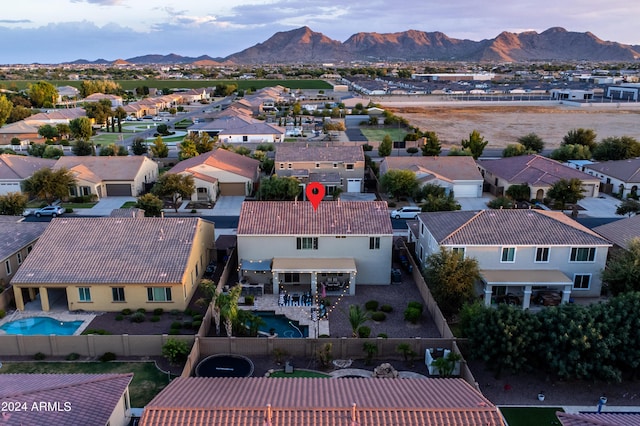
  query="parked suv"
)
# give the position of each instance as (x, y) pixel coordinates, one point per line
(406, 213)
(52, 211)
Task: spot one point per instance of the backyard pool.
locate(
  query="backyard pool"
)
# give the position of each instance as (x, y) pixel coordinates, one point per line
(281, 325)
(41, 326)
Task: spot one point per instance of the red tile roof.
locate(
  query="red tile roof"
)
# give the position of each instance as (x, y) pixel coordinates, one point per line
(221, 159)
(299, 218)
(104, 167)
(96, 250)
(292, 152)
(319, 402)
(533, 170)
(18, 167)
(92, 398)
(447, 168)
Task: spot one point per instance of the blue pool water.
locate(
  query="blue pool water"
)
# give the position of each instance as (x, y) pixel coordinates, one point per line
(41, 325)
(283, 326)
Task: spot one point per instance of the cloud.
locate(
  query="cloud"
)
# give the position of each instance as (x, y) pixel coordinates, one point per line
(15, 21)
(100, 2)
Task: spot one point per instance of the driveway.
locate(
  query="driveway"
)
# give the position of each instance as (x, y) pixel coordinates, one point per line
(227, 205)
(473, 203)
(104, 206)
(601, 206)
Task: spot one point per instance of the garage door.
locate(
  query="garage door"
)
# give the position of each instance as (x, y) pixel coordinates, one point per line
(464, 191)
(118, 190)
(353, 185)
(232, 188)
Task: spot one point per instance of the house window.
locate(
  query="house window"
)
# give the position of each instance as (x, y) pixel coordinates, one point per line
(291, 277)
(508, 254)
(29, 248)
(19, 256)
(349, 166)
(7, 266)
(84, 294)
(281, 166)
(245, 139)
(307, 243)
(317, 165)
(459, 250)
(542, 254)
(117, 294)
(331, 189)
(583, 254)
(581, 281)
(159, 294)
(374, 243)
(289, 166)
(85, 190)
(335, 165)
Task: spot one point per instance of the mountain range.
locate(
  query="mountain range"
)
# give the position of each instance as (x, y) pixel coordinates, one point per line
(303, 45)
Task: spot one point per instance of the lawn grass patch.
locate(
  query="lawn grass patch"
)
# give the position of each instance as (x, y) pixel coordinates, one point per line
(129, 205)
(530, 416)
(147, 381)
(396, 134)
(300, 373)
(68, 206)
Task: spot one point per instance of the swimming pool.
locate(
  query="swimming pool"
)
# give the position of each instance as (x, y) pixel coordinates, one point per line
(41, 326)
(281, 325)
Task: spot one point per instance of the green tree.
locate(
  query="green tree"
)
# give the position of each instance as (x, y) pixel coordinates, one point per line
(99, 111)
(629, 207)
(623, 269)
(63, 130)
(52, 152)
(36, 149)
(138, 146)
(399, 183)
(18, 113)
(6, 107)
(278, 188)
(227, 306)
(519, 192)
(475, 144)
(81, 128)
(514, 150)
(384, 150)
(151, 204)
(175, 187)
(175, 351)
(202, 141)
(42, 94)
(586, 137)
(187, 149)
(49, 185)
(532, 142)
(159, 149)
(120, 114)
(457, 152)
(357, 318)
(113, 150)
(83, 148)
(571, 152)
(616, 148)
(432, 146)
(451, 278)
(442, 203)
(13, 204)
(566, 191)
(48, 131)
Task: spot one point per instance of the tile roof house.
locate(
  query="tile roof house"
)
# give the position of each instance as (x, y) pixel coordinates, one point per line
(115, 100)
(220, 172)
(57, 116)
(459, 174)
(239, 128)
(336, 167)
(518, 250)
(113, 263)
(21, 130)
(623, 175)
(65, 399)
(319, 402)
(17, 239)
(539, 172)
(620, 232)
(598, 419)
(287, 243)
(14, 169)
(106, 176)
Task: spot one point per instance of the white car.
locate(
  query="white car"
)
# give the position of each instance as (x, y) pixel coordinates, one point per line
(406, 213)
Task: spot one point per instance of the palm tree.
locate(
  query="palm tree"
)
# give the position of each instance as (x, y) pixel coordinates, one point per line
(357, 318)
(227, 305)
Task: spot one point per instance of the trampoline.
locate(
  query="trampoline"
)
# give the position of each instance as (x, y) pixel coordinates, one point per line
(225, 365)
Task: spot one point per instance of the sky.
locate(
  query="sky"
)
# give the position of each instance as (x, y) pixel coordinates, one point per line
(57, 31)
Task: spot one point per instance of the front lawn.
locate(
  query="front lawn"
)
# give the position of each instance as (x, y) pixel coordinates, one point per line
(147, 381)
(68, 206)
(530, 416)
(397, 134)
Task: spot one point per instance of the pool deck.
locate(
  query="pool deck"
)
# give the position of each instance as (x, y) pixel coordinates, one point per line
(64, 316)
(302, 314)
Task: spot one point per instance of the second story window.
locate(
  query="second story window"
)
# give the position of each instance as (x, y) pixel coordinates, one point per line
(307, 243)
(458, 250)
(374, 243)
(508, 254)
(542, 254)
(583, 254)
(349, 166)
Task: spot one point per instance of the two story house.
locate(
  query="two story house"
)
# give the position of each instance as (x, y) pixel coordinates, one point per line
(519, 251)
(288, 244)
(336, 167)
(17, 239)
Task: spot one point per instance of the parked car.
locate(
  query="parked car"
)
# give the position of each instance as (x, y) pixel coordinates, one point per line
(406, 213)
(52, 211)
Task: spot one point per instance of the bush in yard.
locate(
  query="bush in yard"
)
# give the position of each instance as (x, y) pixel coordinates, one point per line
(187, 324)
(197, 317)
(126, 311)
(137, 317)
(176, 324)
(39, 356)
(196, 324)
(378, 316)
(3, 313)
(119, 317)
(72, 356)
(142, 310)
(364, 332)
(412, 315)
(371, 305)
(175, 351)
(108, 356)
(174, 331)
(386, 308)
(158, 311)
(383, 335)
(155, 318)
(415, 305)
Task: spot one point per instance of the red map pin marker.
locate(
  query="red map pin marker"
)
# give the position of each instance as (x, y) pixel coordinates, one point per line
(315, 193)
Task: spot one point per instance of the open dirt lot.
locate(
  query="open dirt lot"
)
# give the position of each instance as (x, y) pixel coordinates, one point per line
(504, 124)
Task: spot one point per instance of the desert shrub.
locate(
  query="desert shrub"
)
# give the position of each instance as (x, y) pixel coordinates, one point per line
(415, 305)
(175, 350)
(364, 332)
(155, 318)
(108, 356)
(188, 312)
(126, 311)
(378, 316)
(248, 300)
(137, 317)
(174, 331)
(386, 308)
(175, 312)
(176, 324)
(196, 324)
(3, 313)
(371, 305)
(197, 317)
(72, 356)
(187, 324)
(100, 331)
(141, 310)
(39, 356)
(383, 335)
(158, 311)
(119, 317)
(412, 315)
